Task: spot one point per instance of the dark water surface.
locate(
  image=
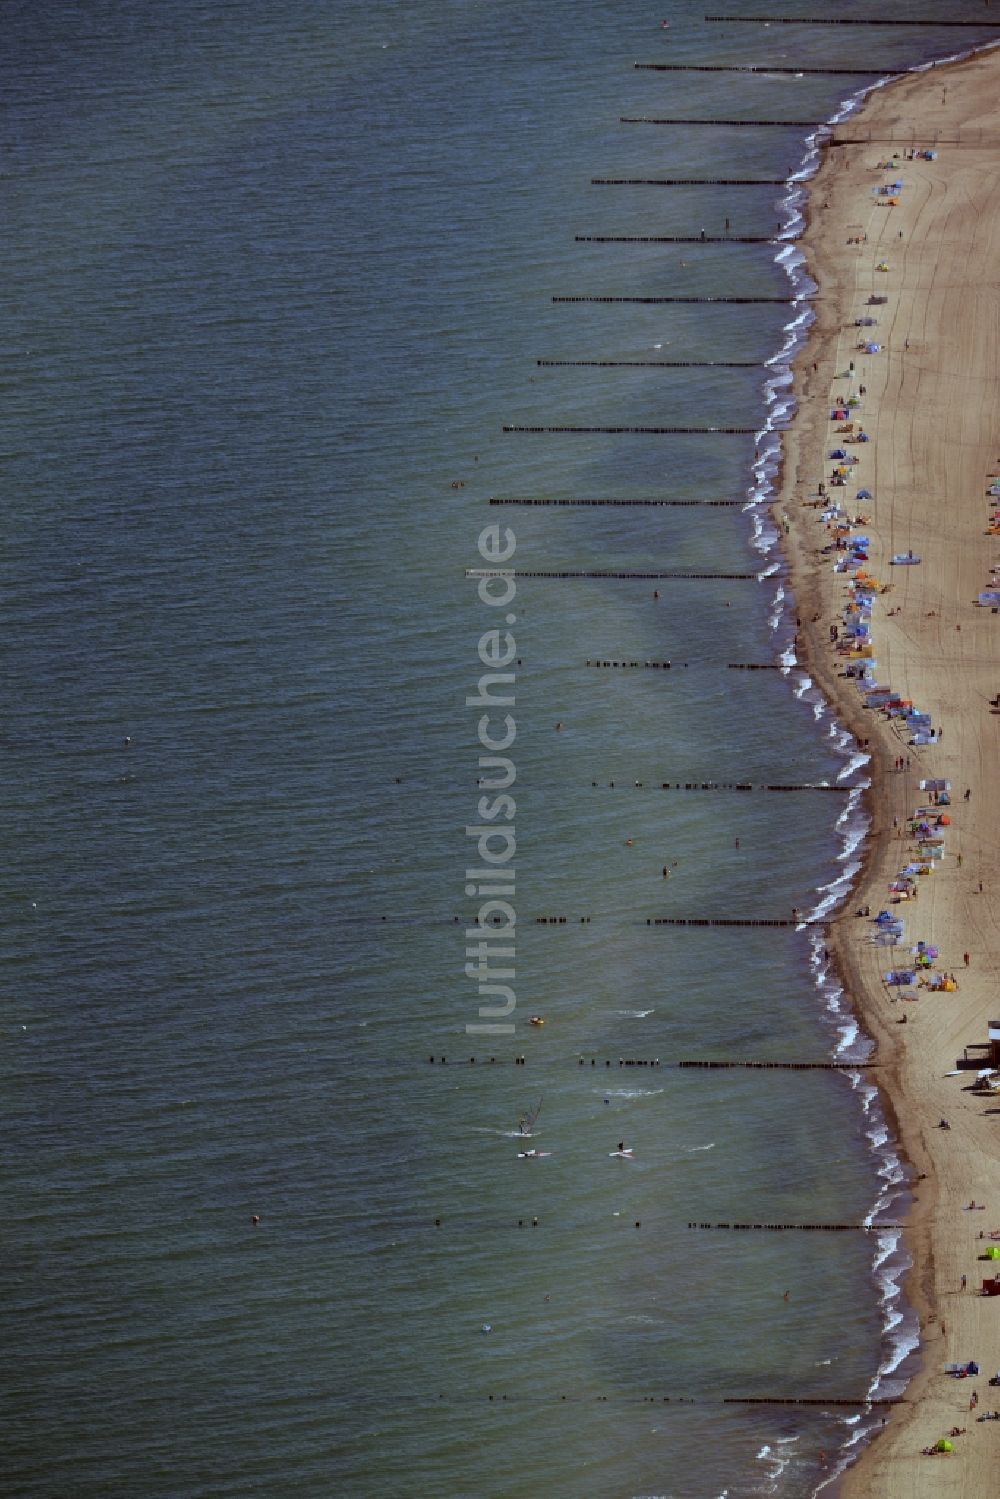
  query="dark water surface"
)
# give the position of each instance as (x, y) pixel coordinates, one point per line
(274, 277)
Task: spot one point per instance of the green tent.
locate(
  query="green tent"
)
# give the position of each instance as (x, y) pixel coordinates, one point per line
(944, 1445)
(993, 1253)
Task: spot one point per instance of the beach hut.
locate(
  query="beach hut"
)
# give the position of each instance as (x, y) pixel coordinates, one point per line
(993, 1042)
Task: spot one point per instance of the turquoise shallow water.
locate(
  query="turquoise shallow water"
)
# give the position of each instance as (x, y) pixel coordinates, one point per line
(275, 278)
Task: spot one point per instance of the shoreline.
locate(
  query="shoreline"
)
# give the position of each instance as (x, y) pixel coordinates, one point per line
(943, 204)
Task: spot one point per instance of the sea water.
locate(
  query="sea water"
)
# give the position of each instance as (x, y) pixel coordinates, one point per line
(275, 278)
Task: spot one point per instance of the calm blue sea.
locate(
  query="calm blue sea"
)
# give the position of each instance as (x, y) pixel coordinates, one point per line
(274, 279)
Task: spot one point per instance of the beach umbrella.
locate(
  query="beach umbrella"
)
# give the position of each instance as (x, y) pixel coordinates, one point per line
(944, 1445)
(993, 1253)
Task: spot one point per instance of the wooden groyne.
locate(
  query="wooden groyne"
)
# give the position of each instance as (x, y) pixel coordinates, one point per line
(644, 364)
(653, 504)
(524, 572)
(749, 786)
(760, 67)
(660, 301)
(786, 1066)
(687, 181)
(536, 1222)
(578, 1061)
(601, 663)
(645, 431)
(630, 665)
(734, 124)
(862, 1401)
(741, 921)
(799, 1228)
(674, 239)
(615, 1398)
(844, 21)
(522, 1061)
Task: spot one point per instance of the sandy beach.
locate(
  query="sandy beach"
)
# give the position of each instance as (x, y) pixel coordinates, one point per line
(929, 403)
